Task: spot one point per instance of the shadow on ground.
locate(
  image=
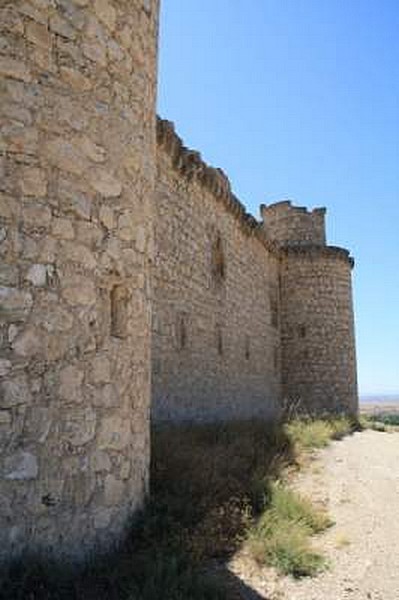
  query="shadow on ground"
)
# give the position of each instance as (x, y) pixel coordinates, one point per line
(208, 485)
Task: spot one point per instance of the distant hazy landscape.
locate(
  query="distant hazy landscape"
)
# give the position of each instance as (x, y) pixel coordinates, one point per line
(380, 399)
(379, 403)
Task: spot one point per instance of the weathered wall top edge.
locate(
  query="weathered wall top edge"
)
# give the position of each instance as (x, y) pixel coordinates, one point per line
(288, 206)
(315, 250)
(190, 164)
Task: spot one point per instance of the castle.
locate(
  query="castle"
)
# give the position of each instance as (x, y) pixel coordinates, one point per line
(133, 284)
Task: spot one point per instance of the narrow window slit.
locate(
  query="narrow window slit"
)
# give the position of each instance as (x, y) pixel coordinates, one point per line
(119, 318)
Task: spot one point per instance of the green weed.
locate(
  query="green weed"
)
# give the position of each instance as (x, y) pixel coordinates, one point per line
(281, 537)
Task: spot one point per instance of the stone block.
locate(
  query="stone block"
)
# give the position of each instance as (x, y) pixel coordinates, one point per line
(5, 419)
(79, 426)
(56, 319)
(77, 290)
(95, 51)
(114, 490)
(89, 234)
(71, 379)
(81, 3)
(12, 333)
(74, 78)
(20, 139)
(33, 182)
(106, 216)
(126, 226)
(64, 155)
(77, 204)
(38, 11)
(100, 461)
(114, 434)
(21, 465)
(106, 13)
(100, 370)
(29, 343)
(125, 470)
(107, 396)
(38, 34)
(40, 275)
(79, 254)
(16, 113)
(9, 207)
(104, 183)
(14, 392)
(15, 304)
(62, 229)
(140, 239)
(36, 215)
(102, 517)
(62, 27)
(5, 367)
(9, 275)
(91, 150)
(10, 67)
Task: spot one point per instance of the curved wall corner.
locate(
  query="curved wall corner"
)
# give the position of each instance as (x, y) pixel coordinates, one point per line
(317, 324)
(77, 98)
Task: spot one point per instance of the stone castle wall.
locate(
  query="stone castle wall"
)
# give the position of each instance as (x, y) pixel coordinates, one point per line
(245, 314)
(77, 101)
(216, 339)
(275, 330)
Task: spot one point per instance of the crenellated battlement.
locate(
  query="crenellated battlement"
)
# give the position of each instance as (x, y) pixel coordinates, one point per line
(190, 165)
(289, 225)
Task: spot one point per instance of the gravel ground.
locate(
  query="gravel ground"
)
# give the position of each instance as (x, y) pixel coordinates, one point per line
(358, 480)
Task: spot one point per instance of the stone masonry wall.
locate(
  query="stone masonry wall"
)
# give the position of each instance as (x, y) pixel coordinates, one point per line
(318, 344)
(77, 102)
(216, 339)
(244, 313)
(248, 316)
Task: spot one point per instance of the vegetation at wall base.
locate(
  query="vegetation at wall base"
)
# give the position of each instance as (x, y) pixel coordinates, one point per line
(280, 537)
(382, 421)
(310, 434)
(214, 488)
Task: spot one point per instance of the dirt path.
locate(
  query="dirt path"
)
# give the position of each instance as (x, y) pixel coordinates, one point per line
(358, 480)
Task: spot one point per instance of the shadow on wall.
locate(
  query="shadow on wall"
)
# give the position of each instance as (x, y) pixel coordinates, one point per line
(208, 484)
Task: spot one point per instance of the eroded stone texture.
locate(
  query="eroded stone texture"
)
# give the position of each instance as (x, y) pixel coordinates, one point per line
(214, 340)
(75, 99)
(21, 465)
(248, 316)
(244, 314)
(319, 360)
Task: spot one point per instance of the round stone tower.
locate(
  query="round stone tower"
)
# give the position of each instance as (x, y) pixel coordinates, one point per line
(316, 313)
(77, 98)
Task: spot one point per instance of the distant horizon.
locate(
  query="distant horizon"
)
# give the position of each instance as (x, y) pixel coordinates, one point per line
(381, 396)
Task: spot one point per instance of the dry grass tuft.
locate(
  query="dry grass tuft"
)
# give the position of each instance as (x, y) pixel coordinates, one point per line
(281, 537)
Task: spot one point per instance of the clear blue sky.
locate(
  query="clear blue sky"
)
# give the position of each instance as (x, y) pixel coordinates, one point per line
(299, 99)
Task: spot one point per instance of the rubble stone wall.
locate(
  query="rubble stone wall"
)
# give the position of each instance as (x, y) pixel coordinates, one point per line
(245, 314)
(317, 331)
(77, 102)
(216, 338)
